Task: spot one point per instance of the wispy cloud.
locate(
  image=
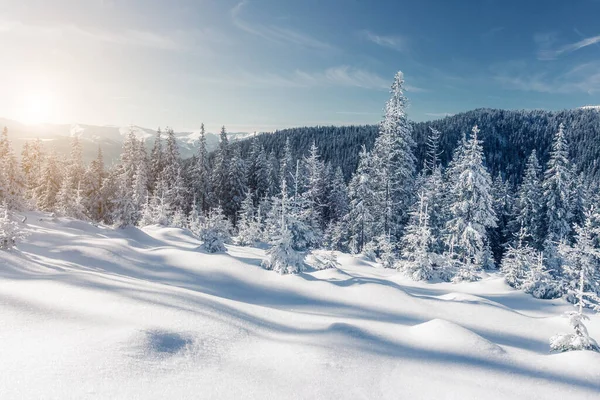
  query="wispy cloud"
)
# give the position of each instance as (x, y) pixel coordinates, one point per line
(176, 40)
(275, 33)
(398, 43)
(439, 115)
(584, 78)
(546, 51)
(340, 76)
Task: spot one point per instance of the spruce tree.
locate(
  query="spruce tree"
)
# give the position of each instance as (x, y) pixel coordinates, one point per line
(471, 208)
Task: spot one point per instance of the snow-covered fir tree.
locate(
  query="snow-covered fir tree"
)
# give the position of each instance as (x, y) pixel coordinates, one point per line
(582, 262)
(471, 209)
(236, 185)
(248, 223)
(361, 218)
(416, 261)
(529, 205)
(216, 231)
(393, 163)
(10, 231)
(557, 184)
(519, 259)
(201, 173)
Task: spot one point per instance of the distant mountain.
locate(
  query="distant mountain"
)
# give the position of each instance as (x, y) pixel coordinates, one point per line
(110, 138)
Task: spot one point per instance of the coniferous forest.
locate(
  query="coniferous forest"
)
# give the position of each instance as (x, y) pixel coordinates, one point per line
(515, 191)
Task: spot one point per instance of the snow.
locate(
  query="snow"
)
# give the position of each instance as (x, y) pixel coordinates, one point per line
(91, 312)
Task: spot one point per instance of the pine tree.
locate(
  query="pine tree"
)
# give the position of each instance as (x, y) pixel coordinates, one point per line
(236, 185)
(201, 173)
(539, 282)
(12, 184)
(95, 203)
(313, 196)
(529, 207)
(393, 170)
(10, 232)
(220, 177)
(582, 270)
(337, 197)
(156, 161)
(518, 261)
(503, 208)
(556, 187)
(417, 244)
(361, 217)
(216, 231)
(471, 208)
(49, 184)
(249, 226)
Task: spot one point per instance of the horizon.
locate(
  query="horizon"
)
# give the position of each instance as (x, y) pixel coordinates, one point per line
(263, 65)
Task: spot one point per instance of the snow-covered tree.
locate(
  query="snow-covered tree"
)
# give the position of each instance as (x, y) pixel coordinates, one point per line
(471, 208)
(416, 261)
(10, 232)
(201, 173)
(313, 196)
(557, 181)
(393, 162)
(582, 269)
(529, 204)
(518, 260)
(12, 185)
(249, 225)
(220, 176)
(337, 203)
(539, 282)
(258, 171)
(216, 231)
(363, 202)
(156, 160)
(236, 185)
(284, 255)
(49, 185)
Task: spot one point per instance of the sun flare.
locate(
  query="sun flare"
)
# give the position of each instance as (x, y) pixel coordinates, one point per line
(37, 107)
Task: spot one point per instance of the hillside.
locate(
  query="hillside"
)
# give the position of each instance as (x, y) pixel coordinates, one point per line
(509, 137)
(91, 312)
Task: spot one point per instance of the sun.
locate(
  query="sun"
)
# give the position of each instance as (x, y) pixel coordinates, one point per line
(37, 107)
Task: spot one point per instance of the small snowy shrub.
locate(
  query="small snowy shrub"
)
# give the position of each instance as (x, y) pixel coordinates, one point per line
(215, 231)
(370, 251)
(282, 258)
(10, 232)
(324, 260)
(580, 340)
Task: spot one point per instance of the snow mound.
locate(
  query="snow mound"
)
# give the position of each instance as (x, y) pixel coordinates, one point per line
(440, 334)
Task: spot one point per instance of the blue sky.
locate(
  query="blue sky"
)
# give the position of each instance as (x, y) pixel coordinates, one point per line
(268, 64)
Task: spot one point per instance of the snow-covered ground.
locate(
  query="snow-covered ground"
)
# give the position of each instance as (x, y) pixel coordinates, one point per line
(92, 312)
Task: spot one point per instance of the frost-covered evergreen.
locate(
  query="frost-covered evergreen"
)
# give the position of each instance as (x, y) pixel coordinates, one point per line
(10, 232)
(416, 261)
(557, 184)
(216, 231)
(361, 217)
(582, 271)
(393, 163)
(529, 204)
(201, 173)
(471, 208)
(249, 224)
(518, 260)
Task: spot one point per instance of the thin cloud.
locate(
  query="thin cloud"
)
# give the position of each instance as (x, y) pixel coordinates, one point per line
(274, 33)
(584, 78)
(550, 54)
(398, 43)
(439, 115)
(178, 40)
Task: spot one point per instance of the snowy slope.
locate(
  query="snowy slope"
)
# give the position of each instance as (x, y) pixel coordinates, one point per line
(92, 312)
